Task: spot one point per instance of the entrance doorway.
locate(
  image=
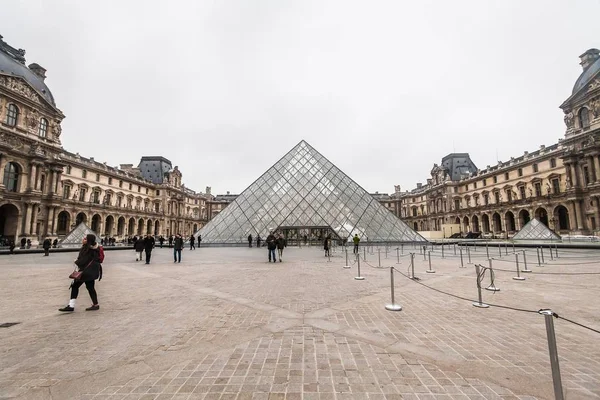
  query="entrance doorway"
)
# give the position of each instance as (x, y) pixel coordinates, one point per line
(9, 217)
(313, 235)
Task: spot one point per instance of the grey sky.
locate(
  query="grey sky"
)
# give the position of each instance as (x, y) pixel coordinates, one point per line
(382, 88)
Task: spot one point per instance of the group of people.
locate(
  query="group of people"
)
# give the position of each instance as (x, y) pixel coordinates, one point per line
(276, 241)
(147, 244)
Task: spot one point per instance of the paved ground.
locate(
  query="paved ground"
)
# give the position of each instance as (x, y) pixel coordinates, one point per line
(226, 324)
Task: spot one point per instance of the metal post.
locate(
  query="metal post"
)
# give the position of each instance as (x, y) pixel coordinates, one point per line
(365, 252)
(518, 277)
(525, 262)
(513, 245)
(538, 254)
(430, 271)
(506, 249)
(386, 251)
(402, 248)
(397, 255)
(487, 250)
(462, 265)
(424, 252)
(492, 287)
(442, 251)
(469, 254)
(412, 265)
(556, 248)
(542, 253)
(358, 278)
(379, 255)
(329, 255)
(393, 306)
(551, 255)
(347, 265)
(556, 380)
(499, 250)
(479, 304)
(454, 248)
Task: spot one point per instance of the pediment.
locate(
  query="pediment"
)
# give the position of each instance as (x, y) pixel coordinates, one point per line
(21, 87)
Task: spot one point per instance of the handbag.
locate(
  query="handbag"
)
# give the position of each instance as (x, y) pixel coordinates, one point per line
(76, 275)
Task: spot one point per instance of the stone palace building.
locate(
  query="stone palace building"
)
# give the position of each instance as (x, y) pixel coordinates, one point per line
(45, 191)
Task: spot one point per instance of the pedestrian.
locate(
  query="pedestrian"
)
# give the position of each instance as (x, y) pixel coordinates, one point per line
(326, 245)
(356, 240)
(88, 262)
(199, 240)
(178, 247)
(258, 240)
(305, 239)
(138, 245)
(192, 241)
(11, 247)
(271, 246)
(250, 240)
(171, 241)
(161, 240)
(55, 243)
(28, 243)
(46, 245)
(148, 246)
(280, 242)
(23, 243)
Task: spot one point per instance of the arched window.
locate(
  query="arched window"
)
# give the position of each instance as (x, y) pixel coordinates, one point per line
(12, 115)
(11, 177)
(584, 118)
(43, 127)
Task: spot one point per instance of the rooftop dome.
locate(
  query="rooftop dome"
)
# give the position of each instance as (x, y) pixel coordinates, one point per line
(590, 61)
(12, 62)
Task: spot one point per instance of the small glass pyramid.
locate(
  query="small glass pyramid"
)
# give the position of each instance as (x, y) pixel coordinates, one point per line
(536, 230)
(74, 238)
(305, 190)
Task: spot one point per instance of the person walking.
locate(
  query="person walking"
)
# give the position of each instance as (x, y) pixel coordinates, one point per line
(11, 247)
(356, 240)
(89, 263)
(199, 240)
(148, 246)
(171, 241)
(161, 240)
(250, 240)
(271, 246)
(280, 243)
(46, 245)
(192, 242)
(178, 247)
(258, 240)
(327, 245)
(138, 245)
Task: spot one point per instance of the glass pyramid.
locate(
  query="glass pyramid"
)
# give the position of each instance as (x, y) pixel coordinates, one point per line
(305, 190)
(74, 238)
(536, 230)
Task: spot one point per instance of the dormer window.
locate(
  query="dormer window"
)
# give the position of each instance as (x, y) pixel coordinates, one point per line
(12, 115)
(43, 127)
(584, 118)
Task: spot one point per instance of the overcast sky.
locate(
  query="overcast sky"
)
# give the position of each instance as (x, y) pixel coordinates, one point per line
(384, 89)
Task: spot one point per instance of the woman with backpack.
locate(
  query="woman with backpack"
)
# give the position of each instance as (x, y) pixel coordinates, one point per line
(89, 264)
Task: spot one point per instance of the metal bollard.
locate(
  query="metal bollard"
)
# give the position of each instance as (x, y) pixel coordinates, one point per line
(556, 379)
(402, 248)
(379, 255)
(551, 255)
(542, 253)
(393, 306)
(412, 265)
(487, 250)
(454, 248)
(424, 253)
(479, 304)
(365, 252)
(398, 255)
(386, 251)
(506, 249)
(430, 271)
(347, 265)
(518, 277)
(469, 254)
(538, 254)
(442, 250)
(358, 278)
(492, 287)
(525, 262)
(556, 248)
(499, 250)
(462, 265)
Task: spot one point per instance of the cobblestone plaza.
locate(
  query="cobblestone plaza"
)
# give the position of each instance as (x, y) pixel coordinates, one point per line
(226, 324)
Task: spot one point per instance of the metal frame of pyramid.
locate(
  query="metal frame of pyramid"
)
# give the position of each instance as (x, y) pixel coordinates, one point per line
(305, 190)
(74, 238)
(536, 230)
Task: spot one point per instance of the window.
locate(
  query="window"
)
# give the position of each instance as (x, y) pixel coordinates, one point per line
(584, 118)
(474, 185)
(455, 189)
(497, 197)
(158, 192)
(12, 115)
(42, 182)
(414, 211)
(43, 127)
(119, 201)
(139, 188)
(130, 186)
(66, 192)
(509, 195)
(506, 176)
(146, 190)
(553, 163)
(84, 174)
(538, 189)
(522, 192)
(107, 199)
(11, 177)
(456, 204)
(486, 199)
(109, 180)
(68, 169)
(96, 197)
(495, 179)
(120, 184)
(520, 171)
(82, 195)
(535, 168)
(555, 186)
(484, 182)
(586, 175)
(97, 177)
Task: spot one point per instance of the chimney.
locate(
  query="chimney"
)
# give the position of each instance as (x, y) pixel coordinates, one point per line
(208, 190)
(38, 70)
(419, 185)
(589, 57)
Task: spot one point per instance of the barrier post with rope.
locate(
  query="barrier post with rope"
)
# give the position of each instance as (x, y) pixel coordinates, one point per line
(358, 278)
(542, 253)
(347, 265)
(412, 265)
(425, 251)
(442, 253)
(469, 254)
(525, 262)
(480, 303)
(518, 277)
(551, 255)
(393, 306)
(430, 271)
(556, 248)
(556, 379)
(492, 287)
(365, 252)
(397, 255)
(454, 248)
(538, 255)
(499, 250)
(506, 248)
(379, 256)
(462, 265)
(487, 250)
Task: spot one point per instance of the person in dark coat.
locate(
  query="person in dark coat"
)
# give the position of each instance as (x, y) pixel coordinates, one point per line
(161, 240)
(258, 239)
(138, 246)
(148, 246)
(23, 243)
(250, 240)
(46, 245)
(192, 241)
(12, 247)
(178, 247)
(171, 241)
(327, 245)
(280, 243)
(271, 246)
(55, 243)
(199, 240)
(88, 261)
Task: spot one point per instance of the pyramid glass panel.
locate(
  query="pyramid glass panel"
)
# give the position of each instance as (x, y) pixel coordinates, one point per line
(305, 190)
(536, 230)
(74, 238)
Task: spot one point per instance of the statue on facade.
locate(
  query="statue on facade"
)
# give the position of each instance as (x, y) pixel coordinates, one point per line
(569, 119)
(568, 181)
(595, 108)
(76, 194)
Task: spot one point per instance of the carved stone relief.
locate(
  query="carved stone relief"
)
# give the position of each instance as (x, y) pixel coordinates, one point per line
(18, 86)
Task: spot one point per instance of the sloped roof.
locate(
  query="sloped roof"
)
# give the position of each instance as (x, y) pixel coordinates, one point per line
(303, 190)
(536, 230)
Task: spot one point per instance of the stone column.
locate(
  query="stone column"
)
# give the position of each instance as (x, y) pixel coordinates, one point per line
(26, 223)
(32, 183)
(58, 174)
(54, 222)
(579, 215)
(2, 158)
(592, 168)
(596, 167)
(597, 211)
(35, 208)
(572, 220)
